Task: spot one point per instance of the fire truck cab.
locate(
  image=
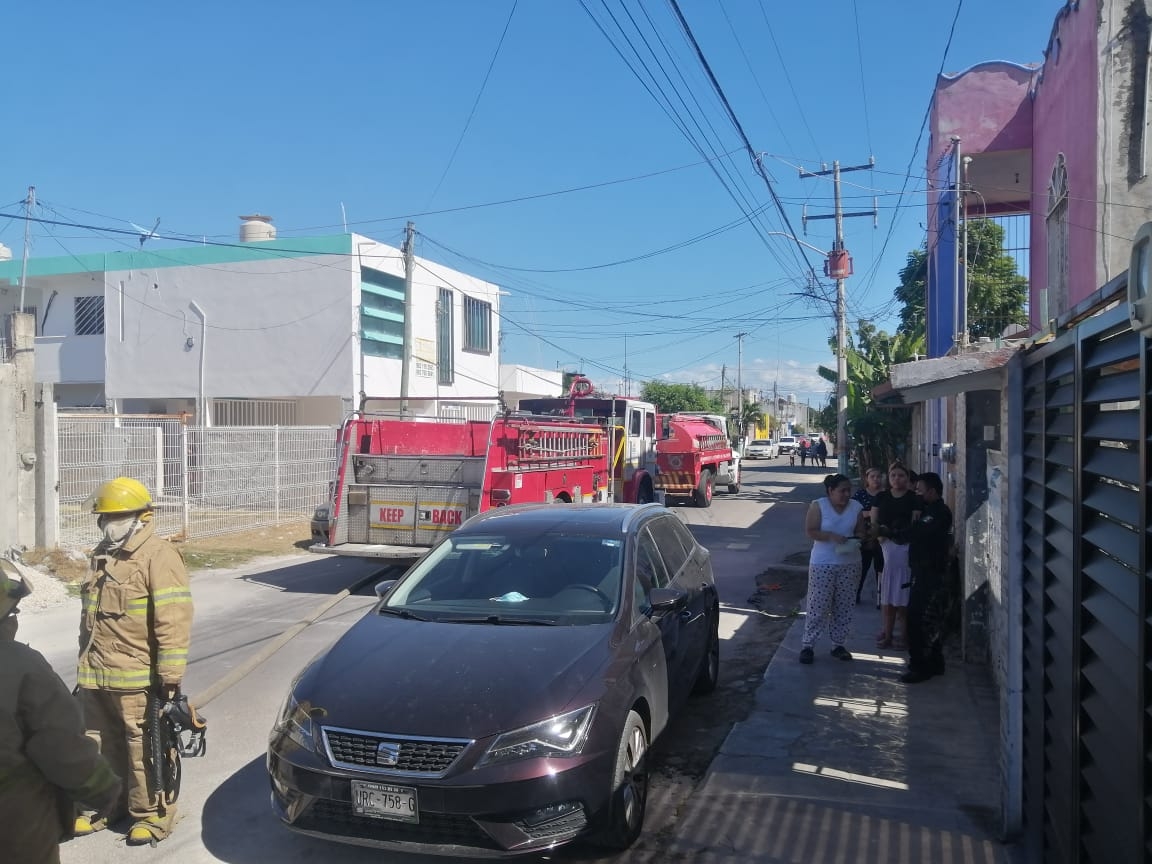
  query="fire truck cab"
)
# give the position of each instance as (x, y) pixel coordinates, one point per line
(632, 435)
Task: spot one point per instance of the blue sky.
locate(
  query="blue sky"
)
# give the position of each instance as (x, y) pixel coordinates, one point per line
(198, 113)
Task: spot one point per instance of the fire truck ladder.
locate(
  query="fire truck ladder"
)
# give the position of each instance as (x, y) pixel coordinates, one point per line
(556, 447)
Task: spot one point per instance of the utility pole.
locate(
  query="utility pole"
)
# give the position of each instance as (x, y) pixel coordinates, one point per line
(839, 267)
(723, 381)
(406, 353)
(959, 310)
(29, 203)
(774, 431)
(740, 373)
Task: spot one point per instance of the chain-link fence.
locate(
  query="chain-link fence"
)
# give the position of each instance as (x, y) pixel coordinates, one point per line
(205, 481)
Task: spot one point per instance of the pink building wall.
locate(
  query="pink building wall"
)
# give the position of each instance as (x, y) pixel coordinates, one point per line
(988, 106)
(1066, 120)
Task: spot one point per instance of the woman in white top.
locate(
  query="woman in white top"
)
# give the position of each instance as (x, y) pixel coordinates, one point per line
(835, 524)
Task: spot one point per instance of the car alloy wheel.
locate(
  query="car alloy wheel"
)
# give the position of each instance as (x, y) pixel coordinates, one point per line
(629, 787)
(709, 675)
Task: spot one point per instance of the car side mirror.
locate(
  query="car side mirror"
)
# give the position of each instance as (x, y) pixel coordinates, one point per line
(668, 599)
(384, 587)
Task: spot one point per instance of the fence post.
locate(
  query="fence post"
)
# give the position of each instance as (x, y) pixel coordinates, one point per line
(276, 472)
(47, 470)
(187, 517)
(159, 437)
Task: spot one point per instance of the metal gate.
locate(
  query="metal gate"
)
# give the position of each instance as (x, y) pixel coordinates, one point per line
(1086, 650)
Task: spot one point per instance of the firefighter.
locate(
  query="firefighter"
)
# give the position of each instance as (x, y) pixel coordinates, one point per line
(47, 763)
(134, 633)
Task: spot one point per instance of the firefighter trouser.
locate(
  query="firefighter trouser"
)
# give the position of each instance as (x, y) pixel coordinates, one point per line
(115, 719)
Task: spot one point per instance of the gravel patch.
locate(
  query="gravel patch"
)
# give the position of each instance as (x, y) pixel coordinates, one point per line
(47, 590)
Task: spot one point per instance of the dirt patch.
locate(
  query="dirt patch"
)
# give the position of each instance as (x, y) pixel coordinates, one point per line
(227, 550)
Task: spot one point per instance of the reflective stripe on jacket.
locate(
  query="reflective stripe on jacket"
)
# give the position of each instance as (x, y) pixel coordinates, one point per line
(137, 618)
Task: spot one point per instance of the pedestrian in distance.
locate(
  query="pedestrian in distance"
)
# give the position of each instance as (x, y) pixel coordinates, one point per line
(835, 524)
(48, 765)
(893, 512)
(822, 453)
(928, 552)
(134, 634)
(803, 448)
(871, 554)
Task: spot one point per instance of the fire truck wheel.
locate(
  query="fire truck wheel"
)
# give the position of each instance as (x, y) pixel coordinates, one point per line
(645, 495)
(702, 494)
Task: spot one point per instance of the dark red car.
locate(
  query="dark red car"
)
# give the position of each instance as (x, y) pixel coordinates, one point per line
(502, 696)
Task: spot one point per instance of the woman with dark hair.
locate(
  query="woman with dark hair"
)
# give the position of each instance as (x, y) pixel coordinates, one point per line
(835, 524)
(893, 513)
(871, 555)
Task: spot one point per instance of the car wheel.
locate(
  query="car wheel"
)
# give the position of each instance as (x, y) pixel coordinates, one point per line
(629, 787)
(702, 494)
(709, 675)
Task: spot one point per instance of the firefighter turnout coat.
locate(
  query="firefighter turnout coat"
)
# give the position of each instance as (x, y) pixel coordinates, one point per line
(46, 760)
(137, 618)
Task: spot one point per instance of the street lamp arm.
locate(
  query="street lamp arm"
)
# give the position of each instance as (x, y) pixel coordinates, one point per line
(795, 239)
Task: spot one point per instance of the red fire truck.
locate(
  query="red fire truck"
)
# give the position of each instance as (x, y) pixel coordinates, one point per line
(402, 484)
(690, 455)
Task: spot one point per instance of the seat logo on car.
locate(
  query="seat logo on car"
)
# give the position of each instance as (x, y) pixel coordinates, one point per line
(387, 753)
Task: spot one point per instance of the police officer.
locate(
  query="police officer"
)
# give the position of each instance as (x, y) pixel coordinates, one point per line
(134, 634)
(47, 763)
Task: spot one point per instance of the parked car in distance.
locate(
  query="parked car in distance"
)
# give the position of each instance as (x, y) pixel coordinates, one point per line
(761, 448)
(502, 695)
(788, 444)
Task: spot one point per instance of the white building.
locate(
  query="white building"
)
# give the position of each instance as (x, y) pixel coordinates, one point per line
(262, 331)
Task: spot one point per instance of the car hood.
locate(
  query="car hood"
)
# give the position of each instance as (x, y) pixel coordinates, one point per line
(452, 680)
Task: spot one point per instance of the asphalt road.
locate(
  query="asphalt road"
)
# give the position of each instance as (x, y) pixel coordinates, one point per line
(224, 808)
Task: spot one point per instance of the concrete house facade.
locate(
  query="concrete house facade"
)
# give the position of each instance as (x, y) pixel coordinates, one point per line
(263, 331)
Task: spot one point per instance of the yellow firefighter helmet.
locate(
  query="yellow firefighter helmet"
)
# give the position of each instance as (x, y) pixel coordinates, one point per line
(122, 495)
(13, 587)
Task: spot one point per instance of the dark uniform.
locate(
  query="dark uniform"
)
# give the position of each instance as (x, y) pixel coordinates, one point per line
(931, 542)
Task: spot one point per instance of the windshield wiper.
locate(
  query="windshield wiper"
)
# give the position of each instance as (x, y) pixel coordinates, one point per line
(496, 619)
(401, 613)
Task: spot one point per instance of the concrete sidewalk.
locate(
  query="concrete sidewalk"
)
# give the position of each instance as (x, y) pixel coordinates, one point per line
(840, 762)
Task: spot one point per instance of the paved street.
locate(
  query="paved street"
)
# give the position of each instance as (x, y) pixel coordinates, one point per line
(224, 808)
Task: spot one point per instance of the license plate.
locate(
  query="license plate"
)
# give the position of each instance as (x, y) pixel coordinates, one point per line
(377, 801)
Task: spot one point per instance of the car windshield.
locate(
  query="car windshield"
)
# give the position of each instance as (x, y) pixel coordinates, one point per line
(529, 576)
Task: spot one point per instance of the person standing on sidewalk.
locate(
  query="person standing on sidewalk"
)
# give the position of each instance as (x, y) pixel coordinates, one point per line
(134, 634)
(835, 524)
(931, 541)
(871, 555)
(47, 763)
(893, 512)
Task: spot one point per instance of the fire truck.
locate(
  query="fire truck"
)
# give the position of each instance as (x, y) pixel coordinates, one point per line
(691, 455)
(401, 485)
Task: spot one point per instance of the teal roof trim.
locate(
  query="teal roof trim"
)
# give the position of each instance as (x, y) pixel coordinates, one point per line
(191, 255)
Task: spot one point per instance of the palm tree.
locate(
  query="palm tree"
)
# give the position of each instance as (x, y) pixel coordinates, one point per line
(750, 415)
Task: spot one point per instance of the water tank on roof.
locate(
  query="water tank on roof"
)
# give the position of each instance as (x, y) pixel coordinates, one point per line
(256, 228)
(5, 253)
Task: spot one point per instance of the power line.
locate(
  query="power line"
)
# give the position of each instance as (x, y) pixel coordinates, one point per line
(788, 79)
(860, 61)
(475, 102)
(740, 131)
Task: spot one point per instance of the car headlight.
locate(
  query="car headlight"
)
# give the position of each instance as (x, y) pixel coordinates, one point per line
(564, 735)
(296, 722)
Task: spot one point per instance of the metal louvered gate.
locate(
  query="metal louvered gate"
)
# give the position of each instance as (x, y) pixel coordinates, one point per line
(1086, 647)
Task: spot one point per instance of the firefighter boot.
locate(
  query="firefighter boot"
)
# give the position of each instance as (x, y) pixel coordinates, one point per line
(147, 832)
(83, 827)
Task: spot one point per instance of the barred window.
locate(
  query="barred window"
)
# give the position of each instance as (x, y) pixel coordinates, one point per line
(477, 326)
(445, 348)
(90, 316)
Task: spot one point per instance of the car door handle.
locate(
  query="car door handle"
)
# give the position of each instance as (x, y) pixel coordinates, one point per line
(688, 616)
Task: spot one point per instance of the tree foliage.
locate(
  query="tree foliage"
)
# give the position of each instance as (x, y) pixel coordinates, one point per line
(670, 398)
(997, 293)
(879, 434)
